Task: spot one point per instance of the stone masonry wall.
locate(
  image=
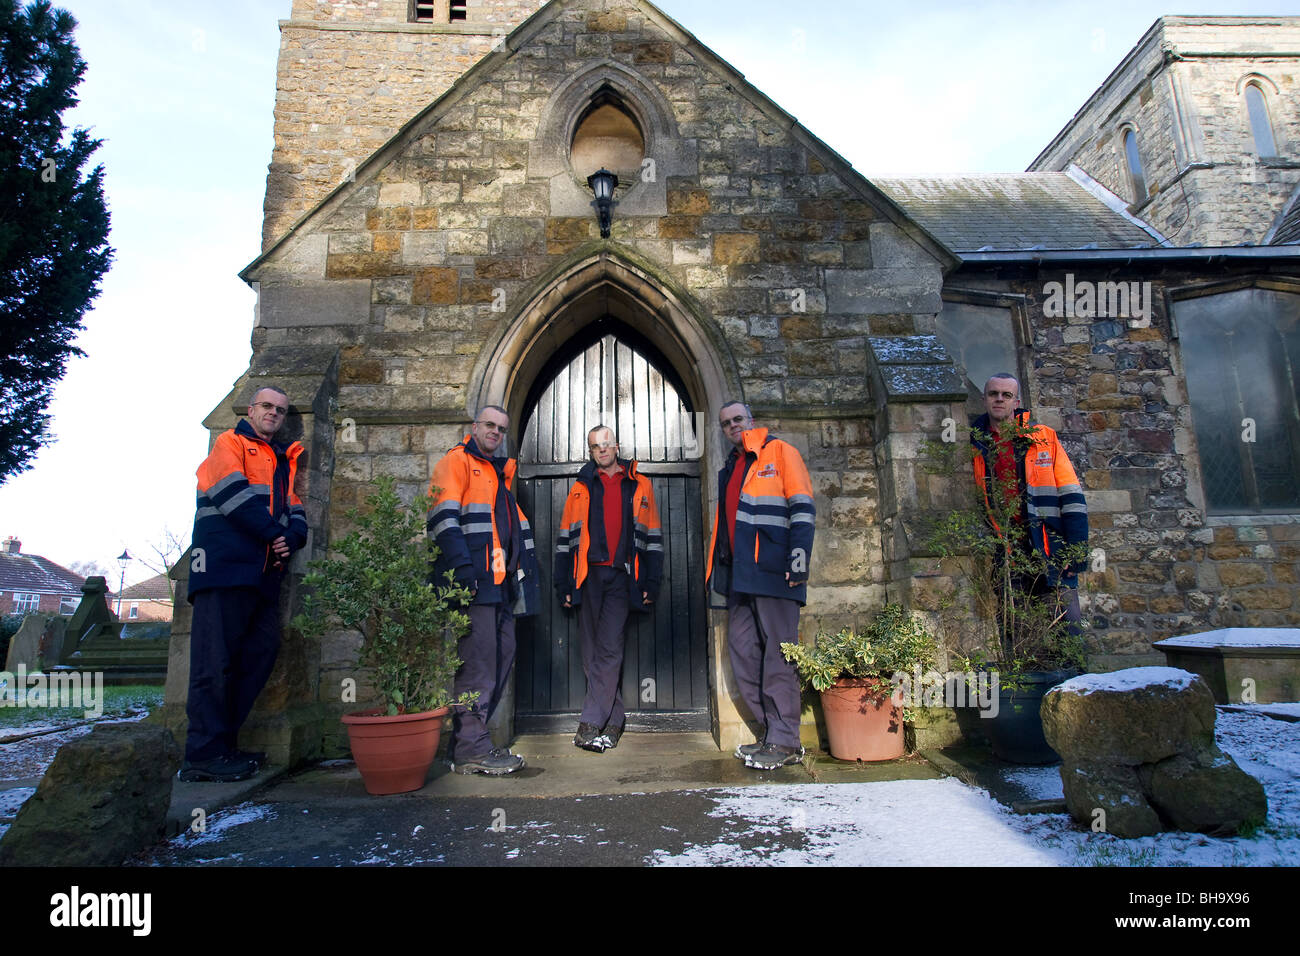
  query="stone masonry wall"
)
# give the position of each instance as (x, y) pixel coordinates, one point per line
(787, 258)
(1229, 195)
(1117, 396)
(350, 74)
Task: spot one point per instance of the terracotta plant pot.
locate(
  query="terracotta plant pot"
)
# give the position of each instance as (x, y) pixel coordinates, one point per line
(394, 753)
(859, 726)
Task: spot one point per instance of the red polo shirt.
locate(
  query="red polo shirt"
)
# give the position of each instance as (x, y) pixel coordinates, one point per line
(612, 488)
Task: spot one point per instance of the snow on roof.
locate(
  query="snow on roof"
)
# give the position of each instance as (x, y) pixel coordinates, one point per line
(1131, 678)
(1237, 637)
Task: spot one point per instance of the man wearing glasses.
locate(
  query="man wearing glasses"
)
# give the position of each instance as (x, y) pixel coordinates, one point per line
(486, 543)
(609, 557)
(1025, 463)
(758, 565)
(249, 522)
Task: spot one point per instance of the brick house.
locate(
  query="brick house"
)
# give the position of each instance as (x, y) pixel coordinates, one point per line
(429, 247)
(29, 582)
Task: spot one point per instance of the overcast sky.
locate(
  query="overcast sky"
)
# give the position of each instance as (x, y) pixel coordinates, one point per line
(182, 94)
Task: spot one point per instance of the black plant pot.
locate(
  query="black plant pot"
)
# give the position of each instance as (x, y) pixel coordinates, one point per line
(1016, 733)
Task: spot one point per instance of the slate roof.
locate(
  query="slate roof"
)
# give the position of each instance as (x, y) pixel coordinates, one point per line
(34, 574)
(1016, 212)
(154, 589)
(1287, 231)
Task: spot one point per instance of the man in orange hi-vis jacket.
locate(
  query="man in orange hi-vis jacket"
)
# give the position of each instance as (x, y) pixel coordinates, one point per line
(249, 521)
(486, 543)
(758, 566)
(609, 557)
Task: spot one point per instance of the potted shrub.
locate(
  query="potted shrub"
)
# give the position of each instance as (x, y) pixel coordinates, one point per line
(1028, 642)
(377, 584)
(855, 672)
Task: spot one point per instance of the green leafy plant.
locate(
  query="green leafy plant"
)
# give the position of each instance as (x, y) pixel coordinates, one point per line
(1006, 577)
(895, 642)
(378, 584)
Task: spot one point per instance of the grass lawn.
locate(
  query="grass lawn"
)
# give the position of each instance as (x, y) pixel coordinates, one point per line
(118, 702)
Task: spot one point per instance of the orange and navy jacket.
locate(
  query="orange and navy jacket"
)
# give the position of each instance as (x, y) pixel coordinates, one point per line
(482, 535)
(582, 537)
(245, 501)
(1052, 503)
(774, 523)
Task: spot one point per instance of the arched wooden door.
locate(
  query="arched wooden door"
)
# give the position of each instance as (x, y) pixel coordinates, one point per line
(609, 376)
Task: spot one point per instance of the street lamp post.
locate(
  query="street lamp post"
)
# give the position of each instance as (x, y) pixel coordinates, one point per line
(123, 560)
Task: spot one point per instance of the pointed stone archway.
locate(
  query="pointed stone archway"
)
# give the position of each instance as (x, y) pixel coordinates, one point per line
(607, 286)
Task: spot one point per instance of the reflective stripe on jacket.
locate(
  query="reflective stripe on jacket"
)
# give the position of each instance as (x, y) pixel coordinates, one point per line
(245, 501)
(464, 519)
(1052, 501)
(774, 524)
(582, 536)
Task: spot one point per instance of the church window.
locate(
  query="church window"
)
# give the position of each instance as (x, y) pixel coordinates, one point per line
(981, 339)
(607, 136)
(433, 11)
(1241, 355)
(425, 12)
(458, 11)
(1260, 127)
(1134, 159)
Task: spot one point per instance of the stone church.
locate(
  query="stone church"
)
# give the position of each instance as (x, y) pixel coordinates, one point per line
(430, 246)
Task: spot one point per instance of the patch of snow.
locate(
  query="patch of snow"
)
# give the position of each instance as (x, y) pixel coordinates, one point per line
(1237, 637)
(216, 825)
(1291, 710)
(12, 800)
(893, 823)
(1130, 678)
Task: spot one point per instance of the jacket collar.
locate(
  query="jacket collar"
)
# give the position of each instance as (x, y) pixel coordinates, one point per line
(985, 425)
(589, 471)
(245, 429)
(502, 464)
(753, 440)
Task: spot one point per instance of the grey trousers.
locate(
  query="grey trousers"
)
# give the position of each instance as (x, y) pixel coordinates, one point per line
(487, 653)
(602, 617)
(768, 684)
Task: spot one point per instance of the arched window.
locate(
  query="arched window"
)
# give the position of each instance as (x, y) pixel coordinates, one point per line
(1134, 159)
(1260, 126)
(607, 135)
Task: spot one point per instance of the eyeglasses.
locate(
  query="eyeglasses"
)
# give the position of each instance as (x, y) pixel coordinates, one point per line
(493, 427)
(268, 407)
(738, 420)
(603, 445)
(1000, 394)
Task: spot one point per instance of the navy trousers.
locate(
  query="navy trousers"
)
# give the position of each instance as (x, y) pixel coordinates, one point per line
(487, 653)
(602, 617)
(768, 684)
(234, 638)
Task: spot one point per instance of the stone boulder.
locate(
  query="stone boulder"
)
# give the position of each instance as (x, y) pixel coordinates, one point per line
(104, 797)
(1139, 744)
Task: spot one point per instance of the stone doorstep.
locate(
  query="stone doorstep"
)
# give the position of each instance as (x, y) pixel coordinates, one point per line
(642, 763)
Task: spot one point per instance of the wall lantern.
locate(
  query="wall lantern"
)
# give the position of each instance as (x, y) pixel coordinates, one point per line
(603, 183)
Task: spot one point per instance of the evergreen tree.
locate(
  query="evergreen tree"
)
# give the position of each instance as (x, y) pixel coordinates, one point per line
(53, 222)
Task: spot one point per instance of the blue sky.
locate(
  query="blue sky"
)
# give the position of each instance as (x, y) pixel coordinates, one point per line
(182, 94)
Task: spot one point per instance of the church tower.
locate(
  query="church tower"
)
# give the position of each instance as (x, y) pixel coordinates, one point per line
(352, 72)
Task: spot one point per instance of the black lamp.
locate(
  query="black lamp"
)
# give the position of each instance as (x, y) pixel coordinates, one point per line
(603, 183)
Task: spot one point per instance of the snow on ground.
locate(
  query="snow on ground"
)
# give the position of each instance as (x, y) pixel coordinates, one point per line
(1038, 783)
(945, 823)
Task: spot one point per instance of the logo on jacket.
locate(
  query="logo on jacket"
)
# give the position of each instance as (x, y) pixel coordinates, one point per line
(1044, 458)
(767, 471)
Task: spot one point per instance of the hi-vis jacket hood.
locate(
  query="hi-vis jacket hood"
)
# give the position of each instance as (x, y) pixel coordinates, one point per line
(481, 532)
(582, 535)
(245, 501)
(774, 524)
(1052, 501)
